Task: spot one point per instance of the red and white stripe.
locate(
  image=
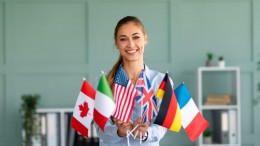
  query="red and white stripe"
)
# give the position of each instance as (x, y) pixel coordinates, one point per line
(124, 98)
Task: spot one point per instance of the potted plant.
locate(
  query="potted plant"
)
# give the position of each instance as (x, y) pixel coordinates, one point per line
(207, 137)
(221, 62)
(29, 119)
(209, 61)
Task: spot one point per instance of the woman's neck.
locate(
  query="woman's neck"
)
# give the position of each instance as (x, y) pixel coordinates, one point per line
(133, 70)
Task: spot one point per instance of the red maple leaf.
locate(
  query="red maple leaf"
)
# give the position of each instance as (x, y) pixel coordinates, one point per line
(84, 109)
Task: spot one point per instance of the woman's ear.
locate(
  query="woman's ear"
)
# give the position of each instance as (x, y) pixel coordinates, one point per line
(116, 45)
(145, 39)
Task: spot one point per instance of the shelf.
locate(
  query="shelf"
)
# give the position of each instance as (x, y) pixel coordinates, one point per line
(220, 145)
(55, 129)
(54, 110)
(217, 107)
(224, 119)
(215, 68)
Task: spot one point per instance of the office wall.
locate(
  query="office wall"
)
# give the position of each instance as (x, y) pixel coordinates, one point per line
(47, 46)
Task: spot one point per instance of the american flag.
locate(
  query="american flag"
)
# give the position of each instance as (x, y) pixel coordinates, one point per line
(124, 94)
(145, 97)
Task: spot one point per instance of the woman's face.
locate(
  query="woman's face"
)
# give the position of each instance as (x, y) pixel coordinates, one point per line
(131, 41)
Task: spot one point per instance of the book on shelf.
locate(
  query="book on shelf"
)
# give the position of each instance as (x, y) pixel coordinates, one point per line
(53, 130)
(70, 132)
(221, 127)
(95, 139)
(218, 99)
(225, 127)
(233, 126)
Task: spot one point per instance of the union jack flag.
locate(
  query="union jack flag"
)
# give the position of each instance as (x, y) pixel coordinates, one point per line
(124, 95)
(145, 97)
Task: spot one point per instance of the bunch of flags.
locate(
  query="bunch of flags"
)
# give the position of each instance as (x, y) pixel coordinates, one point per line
(178, 109)
(93, 104)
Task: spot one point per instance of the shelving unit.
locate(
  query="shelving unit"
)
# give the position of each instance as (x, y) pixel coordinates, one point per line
(224, 118)
(54, 129)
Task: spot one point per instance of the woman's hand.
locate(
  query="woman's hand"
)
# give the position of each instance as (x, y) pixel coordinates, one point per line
(142, 128)
(123, 127)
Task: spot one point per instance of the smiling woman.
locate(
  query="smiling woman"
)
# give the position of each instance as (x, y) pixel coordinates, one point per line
(130, 39)
(130, 42)
(133, 85)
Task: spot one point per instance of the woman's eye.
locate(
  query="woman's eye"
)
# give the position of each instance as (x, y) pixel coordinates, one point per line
(136, 37)
(123, 39)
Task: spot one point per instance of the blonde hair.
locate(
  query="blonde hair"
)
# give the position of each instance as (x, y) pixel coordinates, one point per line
(111, 75)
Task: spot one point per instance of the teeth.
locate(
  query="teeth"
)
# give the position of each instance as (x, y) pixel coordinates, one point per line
(131, 51)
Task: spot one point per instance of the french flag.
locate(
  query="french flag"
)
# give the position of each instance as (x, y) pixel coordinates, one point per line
(192, 120)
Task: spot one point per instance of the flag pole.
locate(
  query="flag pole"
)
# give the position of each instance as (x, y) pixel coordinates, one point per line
(132, 130)
(128, 133)
(141, 121)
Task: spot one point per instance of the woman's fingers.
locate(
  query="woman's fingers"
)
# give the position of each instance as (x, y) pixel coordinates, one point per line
(138, 121)
(142, 129)
(123, 128)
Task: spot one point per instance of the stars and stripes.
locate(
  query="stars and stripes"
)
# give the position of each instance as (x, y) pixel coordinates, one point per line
(124, 95)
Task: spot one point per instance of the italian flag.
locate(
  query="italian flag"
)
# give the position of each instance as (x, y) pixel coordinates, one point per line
(104, 104)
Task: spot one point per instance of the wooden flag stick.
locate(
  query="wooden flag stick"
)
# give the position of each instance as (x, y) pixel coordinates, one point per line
(136, 134)
(128, 133)
(132, 130)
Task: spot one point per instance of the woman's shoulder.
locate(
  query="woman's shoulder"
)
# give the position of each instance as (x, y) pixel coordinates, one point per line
(157, 76)
(153, 73)
(154, 76)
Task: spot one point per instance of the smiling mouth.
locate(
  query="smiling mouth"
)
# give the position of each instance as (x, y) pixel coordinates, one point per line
(131, 51)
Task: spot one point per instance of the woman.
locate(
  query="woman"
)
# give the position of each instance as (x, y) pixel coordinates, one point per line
(130, 39)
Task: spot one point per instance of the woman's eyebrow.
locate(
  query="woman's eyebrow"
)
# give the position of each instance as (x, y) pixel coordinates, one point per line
(126, 35)
(122, 36)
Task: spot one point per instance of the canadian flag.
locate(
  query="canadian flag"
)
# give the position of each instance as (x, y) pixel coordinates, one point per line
(83, 111)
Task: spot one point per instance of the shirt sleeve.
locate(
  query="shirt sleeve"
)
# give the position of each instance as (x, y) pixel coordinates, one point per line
(110, 133)
(155, 133)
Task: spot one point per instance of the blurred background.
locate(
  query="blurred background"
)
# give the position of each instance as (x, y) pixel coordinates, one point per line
(48, 46)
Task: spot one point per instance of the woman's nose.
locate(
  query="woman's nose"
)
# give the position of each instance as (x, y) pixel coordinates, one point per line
(130, 43)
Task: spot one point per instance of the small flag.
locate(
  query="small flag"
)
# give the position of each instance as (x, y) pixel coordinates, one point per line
(169, 115)
(145, 97)
(160, 92)
(83, 111)
(124, 94)
(192, 120)
(104, 104)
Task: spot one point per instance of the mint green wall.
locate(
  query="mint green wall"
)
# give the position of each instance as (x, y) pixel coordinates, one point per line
(47, 46)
